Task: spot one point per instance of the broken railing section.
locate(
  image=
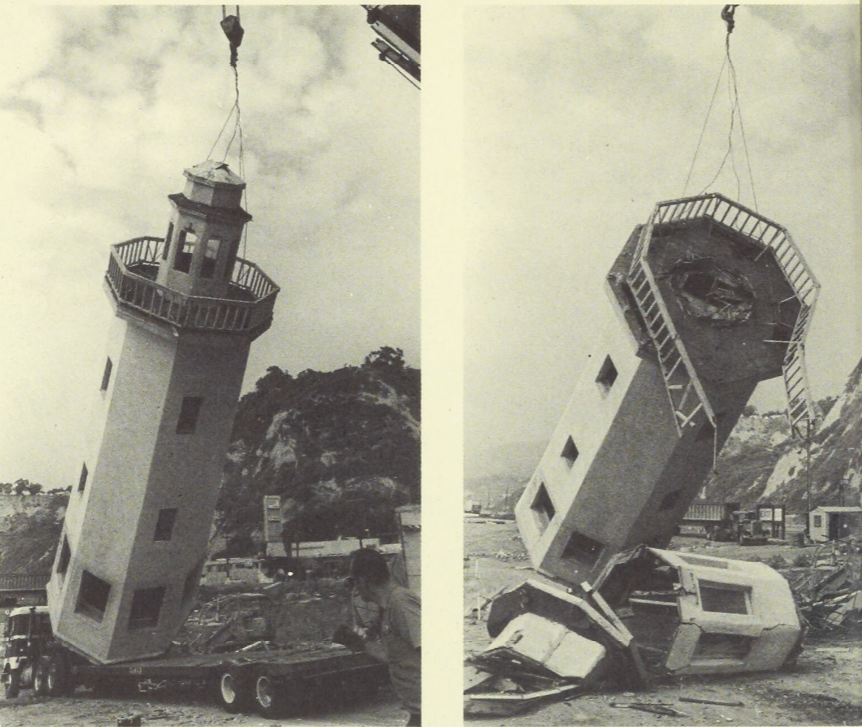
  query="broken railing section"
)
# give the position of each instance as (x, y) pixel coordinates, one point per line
(654, 614)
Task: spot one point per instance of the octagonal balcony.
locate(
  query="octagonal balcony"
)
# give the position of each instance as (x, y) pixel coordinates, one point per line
(131, 277)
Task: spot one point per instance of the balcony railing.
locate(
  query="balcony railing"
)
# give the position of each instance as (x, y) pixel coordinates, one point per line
(247, 309)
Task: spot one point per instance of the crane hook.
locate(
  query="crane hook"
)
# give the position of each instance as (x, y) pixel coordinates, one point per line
(727, 16)
(234, 32)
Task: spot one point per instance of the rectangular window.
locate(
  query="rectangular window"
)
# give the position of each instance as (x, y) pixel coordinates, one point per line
(543, 507)
(82, 481)
(583, 549)
(146, 607)
(165, 524)
(166, 248)
(817, 521)
(723, 646)
(92, 596)
(208, 265)
(64, 557)
(106, 376)
(607, 376)
(185, 249)
(723, 597)
(570, 452)
(189, 411)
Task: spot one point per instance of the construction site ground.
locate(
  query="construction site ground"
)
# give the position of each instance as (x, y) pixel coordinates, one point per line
(825, 687)
(181, 707)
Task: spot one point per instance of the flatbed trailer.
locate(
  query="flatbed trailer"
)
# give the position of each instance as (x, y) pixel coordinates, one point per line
(268, 678)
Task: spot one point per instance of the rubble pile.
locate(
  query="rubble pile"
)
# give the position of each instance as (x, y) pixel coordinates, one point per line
(653, 614)
(828, 591)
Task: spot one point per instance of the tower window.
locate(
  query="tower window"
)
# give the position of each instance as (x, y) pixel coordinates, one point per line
(543, 507)
(570, 451)
(208, 265)
(723, 598)
(167, 246)
(92, 596)
(607, 376)
(146, 607)
(82, 481)
(64, 557)
(189, 412)
(583, 549)
(165, 524)
(669, 501)
(185, 249)
(106, 376)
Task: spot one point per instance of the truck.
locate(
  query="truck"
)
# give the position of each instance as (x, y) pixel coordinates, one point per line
(261, 676)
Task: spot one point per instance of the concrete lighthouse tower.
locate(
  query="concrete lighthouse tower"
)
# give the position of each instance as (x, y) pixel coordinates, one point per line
(706, 300)
(187, 309)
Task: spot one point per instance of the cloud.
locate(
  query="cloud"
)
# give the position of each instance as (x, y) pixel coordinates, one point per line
(103, 108)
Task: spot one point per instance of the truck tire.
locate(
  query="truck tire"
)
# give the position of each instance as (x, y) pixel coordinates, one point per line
(269, 696)
(40, 677)
(58, 677)
(12, 684)
(234, 690)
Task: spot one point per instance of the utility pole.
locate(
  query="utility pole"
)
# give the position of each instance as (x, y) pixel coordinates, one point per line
(808, 477)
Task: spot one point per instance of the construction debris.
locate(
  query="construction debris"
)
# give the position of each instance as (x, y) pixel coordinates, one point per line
(654, 614)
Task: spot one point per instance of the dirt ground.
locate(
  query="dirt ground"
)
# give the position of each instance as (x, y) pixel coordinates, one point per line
(824, 688)
(182, 708)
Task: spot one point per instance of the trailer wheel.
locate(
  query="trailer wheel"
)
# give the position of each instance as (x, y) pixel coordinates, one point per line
(58, 677)
(269, 696)
(234, 690)
(12, 683)
(40, 677)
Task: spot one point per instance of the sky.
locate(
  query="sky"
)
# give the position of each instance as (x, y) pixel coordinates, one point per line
(578, 120)
(101, 110)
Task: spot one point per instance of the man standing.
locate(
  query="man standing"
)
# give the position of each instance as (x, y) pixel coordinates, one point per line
(399, 629)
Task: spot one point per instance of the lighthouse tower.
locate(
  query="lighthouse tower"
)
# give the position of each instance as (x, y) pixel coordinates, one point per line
(139, 516)
(707, 299)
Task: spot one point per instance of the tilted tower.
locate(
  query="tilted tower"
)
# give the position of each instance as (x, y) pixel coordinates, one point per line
(138, 522)
(710, 298)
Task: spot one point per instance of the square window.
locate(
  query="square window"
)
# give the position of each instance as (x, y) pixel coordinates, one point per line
(607, 376)
(570, 452)
(82, 481)
(583, 549)
(92, 596)
(106, 376)
(146, 607)
(189, 411)
(543, 507)
(165, 524)
(723, 598)
(64, 557)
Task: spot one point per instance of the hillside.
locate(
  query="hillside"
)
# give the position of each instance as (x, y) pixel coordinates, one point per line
(341, 448)
(30, 528)
(759, 462)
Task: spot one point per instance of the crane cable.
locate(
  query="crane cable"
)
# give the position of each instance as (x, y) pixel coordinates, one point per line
(230, 24)
(735, 110)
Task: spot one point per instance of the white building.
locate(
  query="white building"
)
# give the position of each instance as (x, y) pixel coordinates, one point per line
(135, 534)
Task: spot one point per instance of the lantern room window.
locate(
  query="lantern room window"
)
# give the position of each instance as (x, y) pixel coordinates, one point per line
(185, 250)
(210, 258)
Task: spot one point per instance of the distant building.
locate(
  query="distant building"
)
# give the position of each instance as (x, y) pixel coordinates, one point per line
(834, 523)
